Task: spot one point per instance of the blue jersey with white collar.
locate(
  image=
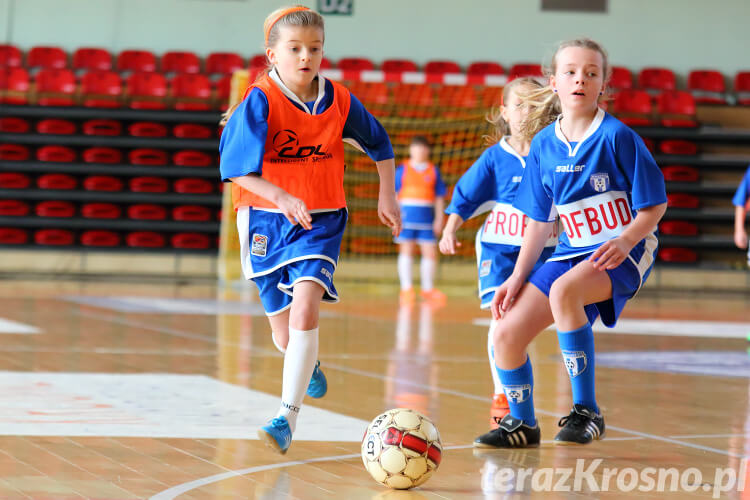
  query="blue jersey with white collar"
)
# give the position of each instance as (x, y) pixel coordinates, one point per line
(595, 186)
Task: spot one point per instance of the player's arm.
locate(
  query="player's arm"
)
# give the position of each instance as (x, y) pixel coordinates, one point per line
(293, 208)
(740, 235)
(437, 224)
(449, 242)
(388, 210)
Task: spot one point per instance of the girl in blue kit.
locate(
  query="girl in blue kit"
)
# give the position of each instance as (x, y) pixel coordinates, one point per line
(598, 177)
(741, 202)
(490, 184)
(282, 148)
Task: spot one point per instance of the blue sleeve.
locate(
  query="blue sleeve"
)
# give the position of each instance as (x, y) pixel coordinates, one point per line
(439, 184)
(367, 132)
(399, 177)
(532, 198)
(474, 188)
(740, 197)
(243, 140)
(638, 164)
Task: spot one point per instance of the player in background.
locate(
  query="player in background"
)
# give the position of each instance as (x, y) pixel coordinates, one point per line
(421, 195)
(596, 174)
(741, 202)
(283, 150)
(490, 184)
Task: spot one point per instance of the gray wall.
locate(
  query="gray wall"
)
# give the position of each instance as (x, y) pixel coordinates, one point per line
(680, 34)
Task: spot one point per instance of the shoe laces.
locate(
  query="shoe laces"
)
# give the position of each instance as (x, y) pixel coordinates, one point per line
(279, 423)
(575, 420)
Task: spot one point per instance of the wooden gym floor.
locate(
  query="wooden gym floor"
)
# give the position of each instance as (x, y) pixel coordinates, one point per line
(126, 391)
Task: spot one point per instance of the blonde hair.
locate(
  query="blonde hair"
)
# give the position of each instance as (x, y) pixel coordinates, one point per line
(544, 103)
(296, 16)
(495, 115)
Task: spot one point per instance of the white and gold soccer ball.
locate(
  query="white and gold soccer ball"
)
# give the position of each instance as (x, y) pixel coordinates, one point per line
(401, 448)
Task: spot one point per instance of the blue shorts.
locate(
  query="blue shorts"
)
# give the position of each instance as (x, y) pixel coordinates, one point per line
(626, 281)
(276, 287)
(418, 235)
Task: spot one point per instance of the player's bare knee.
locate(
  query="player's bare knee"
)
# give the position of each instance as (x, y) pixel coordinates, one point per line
(563, 294)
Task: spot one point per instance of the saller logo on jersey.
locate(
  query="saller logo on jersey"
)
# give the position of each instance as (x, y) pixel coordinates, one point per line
(595, 219)
(506, 225)
(286, 145)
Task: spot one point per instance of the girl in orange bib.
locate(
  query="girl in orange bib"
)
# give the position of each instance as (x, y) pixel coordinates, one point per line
(282, 148)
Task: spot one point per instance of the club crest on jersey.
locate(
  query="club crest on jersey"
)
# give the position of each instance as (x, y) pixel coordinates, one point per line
(517, 393)
(600, 182)
(485, 268)
(260, 245)
(575, 362)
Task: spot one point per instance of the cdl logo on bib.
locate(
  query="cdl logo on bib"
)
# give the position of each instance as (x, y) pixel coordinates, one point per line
(595, 219)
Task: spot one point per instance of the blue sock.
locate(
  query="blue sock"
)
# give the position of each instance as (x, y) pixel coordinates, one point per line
(518, 385)
(577, 348)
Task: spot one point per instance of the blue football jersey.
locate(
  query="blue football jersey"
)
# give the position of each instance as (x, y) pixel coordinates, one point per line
(743, 191)
(595, 186)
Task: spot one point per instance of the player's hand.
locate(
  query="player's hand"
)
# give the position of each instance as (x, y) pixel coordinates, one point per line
(389, 212)
(740, 239)
(504, 297)
(295, 211)
(449, 244)
(611, 254)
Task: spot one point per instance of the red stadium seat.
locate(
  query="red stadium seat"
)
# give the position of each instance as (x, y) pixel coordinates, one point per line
(56, 181)
(370, 92)
(683, 200)
(92, 59)
(190, 240)
(148, 185)
(657, 79)
(10, 56)
(742, 87)
(136, 61)
(194, 213)
(145, 239)
(677, 254)
(148, 156)
(441, 67)
(100, 239)
(680, 173)
(55, 208)
(13, 236)
(223, 87)
(191, 185)
(16, 208)
(677, 108)
(524, 69)
(678, 228)
(621, 78)
(55, 126)
(707, 86)
(192, 158)
(47, 58)
(102, 127)
(101, 89)
(14, 86)
(14, 180)
(326, 63)
(413, 94)
(258, 61)
(458, 96)
(58, 154)
(100, 211)
(678, 147)
(148, 129)
(102, 183)
(180, 62)
(147, 211)
(14, 152)
(192, 131)
(55, 87)
(650, 144)
(633, 108)
(54, 237)
(102, 155)
(355, 64)
(396, 67)
(191, 92)
(223, 63)
(13, 125)
(146, 90)
(484, 68)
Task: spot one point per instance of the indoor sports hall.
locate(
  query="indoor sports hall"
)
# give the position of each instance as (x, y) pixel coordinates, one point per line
(137, 362)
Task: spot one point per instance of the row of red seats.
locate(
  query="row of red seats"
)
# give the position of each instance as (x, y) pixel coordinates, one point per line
(102, 238)
(140, 211)
(105, 89)
(139, 156)
(108, 183)
(675, 107)
(16, 125)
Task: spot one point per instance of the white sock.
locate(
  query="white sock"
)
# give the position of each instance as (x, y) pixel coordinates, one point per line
(490, 354)
(276, 344)
(427, 268)
(299, 363)
(404, 270)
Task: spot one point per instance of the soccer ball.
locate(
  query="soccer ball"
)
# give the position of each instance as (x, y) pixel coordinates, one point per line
(401, 448)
